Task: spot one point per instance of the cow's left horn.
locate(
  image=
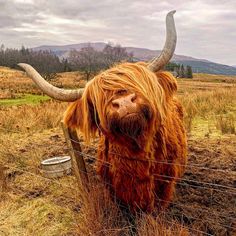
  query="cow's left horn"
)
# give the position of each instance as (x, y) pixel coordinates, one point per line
(52, 91)
(158, 63)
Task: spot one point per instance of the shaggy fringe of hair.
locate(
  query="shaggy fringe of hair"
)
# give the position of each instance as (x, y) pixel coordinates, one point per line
(135, 77)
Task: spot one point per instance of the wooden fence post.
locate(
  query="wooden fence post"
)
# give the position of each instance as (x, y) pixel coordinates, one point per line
(78, 162)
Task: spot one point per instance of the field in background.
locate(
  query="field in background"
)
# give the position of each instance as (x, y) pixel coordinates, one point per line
(33, 205)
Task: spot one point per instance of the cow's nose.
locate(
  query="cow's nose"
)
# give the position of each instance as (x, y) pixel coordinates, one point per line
(125, 105)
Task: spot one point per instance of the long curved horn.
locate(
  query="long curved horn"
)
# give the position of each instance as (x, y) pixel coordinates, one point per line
(52, 91)
(158, 63)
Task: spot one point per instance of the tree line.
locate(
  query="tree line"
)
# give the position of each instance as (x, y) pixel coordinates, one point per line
(88, 61)
(44, 61)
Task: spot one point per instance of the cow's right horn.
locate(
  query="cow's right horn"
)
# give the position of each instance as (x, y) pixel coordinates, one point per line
(52, 91)
(159, 63)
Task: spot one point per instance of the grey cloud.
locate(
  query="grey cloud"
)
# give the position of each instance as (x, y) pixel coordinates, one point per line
(206, 29)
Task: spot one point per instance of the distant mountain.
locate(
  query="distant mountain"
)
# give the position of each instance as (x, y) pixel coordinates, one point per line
(143, 54)
(147, 54)
(98, 46)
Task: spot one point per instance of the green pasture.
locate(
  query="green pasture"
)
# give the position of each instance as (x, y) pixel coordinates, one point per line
(25, 99)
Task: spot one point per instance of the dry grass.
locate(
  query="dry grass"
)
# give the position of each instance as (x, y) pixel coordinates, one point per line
(101, 216)
(40, 217)
(211, 102)
(214, 78)
(46, 115)
(218, 104)
(33, 205)
(5, 94)
(160, 226)
(226, 124)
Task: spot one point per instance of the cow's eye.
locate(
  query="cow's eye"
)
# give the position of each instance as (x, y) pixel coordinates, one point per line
(121, 91)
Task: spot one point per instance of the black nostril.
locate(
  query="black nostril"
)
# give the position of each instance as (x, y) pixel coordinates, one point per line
(115, 104)
(133, 97)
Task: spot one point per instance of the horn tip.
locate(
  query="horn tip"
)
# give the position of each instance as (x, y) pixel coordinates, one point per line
(22, 65)
(25, 66)
(171, 13)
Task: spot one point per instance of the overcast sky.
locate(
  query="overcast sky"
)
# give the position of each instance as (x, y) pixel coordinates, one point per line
(206, 28)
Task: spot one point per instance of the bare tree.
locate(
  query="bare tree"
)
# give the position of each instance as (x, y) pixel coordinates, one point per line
(115, 54)
(86, 60)
(90, 62)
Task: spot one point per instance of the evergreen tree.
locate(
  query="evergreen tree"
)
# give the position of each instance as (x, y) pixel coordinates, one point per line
(182, 71)
(66, 65)
(44, 61)
(171, 66)
(189, 73)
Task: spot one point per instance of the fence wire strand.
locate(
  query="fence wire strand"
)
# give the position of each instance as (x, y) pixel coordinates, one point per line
(161, 162)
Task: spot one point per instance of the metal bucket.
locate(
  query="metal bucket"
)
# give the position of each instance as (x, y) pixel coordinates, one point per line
(56, 167)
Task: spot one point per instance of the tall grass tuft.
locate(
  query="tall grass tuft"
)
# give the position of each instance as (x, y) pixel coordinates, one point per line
(226, 123)
(159, 226)
(101, 216)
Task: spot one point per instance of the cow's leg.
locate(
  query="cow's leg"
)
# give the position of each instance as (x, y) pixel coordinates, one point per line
(164, 192)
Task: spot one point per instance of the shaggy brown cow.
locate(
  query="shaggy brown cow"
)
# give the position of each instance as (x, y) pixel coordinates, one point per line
(132, 108)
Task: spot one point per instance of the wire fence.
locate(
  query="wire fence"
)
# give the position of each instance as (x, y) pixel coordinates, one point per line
(166, 162)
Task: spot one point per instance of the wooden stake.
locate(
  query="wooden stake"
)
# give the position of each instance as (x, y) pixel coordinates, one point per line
(78, 162)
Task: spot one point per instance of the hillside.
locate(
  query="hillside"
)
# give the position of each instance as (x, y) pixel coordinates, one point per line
(144, 54)
(209, 67)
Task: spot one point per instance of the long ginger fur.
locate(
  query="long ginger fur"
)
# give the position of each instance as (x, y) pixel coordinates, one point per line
(142, 177)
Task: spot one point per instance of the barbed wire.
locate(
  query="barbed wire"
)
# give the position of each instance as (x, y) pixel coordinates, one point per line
(118, 154)
(165, 176)
(108, 164)
(160, 162)
(64, 185)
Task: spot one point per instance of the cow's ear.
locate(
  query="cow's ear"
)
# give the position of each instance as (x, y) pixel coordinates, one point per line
(80, 115)
(73, 117)
(168, 83)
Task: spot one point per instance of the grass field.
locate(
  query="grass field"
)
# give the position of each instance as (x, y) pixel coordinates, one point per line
(33, 205)
(24, 99)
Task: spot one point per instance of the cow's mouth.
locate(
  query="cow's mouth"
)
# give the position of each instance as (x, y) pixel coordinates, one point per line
(131, 125)
(129, 115)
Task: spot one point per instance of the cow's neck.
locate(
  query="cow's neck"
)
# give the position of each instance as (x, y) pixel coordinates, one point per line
(130, 149)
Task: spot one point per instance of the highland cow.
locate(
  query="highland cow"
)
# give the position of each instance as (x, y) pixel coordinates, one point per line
(132, 108)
